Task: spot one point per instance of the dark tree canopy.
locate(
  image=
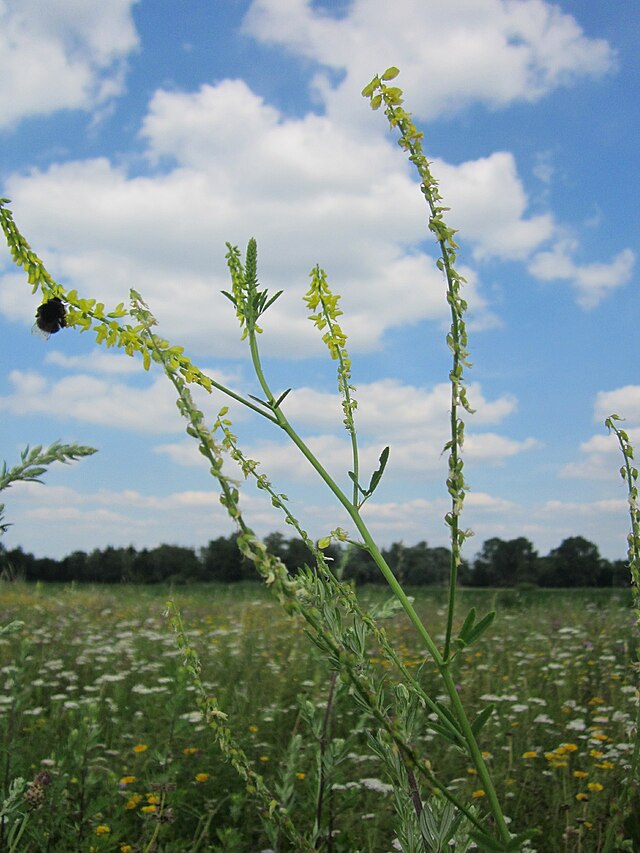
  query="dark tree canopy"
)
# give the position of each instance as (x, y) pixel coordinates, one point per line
(499, 563)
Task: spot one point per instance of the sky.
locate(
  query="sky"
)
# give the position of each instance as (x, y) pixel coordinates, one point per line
(138, 138)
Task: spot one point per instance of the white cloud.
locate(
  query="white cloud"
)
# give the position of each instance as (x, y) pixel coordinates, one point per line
(319, 193)
(496, 52)
(623, 401)
(96, 361)
(488, 204)
(82, 397)
(70, 54)
(600, 456)
(592, 282)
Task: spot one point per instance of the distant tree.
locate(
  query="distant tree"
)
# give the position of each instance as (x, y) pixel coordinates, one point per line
(505, 563)
(360, 567)
(418, 565)
(73, 567)
(223, 562)
(575, 562)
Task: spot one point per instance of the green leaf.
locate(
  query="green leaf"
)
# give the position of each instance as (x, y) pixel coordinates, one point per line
(271, 301)
(375, 102)
(281, 397)
(375, 477)
(352, 477)
(481, 627)
(390, 73)
(370, 88)
(467, 625)
(482, 718)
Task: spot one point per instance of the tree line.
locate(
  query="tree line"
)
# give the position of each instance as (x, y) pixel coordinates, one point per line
(576, 562)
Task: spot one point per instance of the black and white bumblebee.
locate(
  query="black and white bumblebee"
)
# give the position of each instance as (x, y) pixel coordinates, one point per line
(50, 318)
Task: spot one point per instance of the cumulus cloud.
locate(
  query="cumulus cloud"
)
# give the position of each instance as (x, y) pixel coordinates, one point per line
(94, 400)
(496, 52)
(592, 282)
(600, 457)
(62, 55)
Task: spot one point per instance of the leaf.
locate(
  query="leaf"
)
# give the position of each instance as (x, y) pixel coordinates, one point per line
(467, 625)
(281, 398)
(390, 73)
(481, 627)
(376, 476)
(482, 718)
(229, 297)
(352, 477)
(271, 301)
(370, 88)
(375, 102)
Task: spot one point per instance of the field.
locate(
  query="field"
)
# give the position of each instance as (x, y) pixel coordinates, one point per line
(98, 710)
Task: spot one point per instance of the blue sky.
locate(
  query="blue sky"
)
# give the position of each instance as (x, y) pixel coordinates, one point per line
(137, 139)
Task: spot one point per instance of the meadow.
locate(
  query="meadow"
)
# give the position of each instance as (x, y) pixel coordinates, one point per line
(98, 711)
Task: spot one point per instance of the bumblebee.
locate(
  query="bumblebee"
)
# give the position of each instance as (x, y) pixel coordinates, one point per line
(50, 318)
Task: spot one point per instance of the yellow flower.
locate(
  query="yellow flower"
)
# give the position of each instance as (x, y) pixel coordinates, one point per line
(581, 797)
(127, 780)
(103, 829)
(606, 765)
(595, 786)
(140, 747)
(253, 729)
(153, 799)
(599, 736)
(202, 777)
(264, 758)
(595, 753)
(300, 776)
(530, 754)
(133, 801)
(568, 747)
(126, 848)
(148, 809)
(190, 750)
(580, 774)
(477, 794)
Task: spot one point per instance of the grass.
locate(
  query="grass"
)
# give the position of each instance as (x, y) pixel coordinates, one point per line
(95, 694)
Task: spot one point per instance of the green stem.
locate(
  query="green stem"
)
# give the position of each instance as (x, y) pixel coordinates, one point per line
(372, 548)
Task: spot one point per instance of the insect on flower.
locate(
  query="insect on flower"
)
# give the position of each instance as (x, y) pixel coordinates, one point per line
(50, 318)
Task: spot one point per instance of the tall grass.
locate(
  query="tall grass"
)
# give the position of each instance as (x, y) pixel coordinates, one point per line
(96, 676)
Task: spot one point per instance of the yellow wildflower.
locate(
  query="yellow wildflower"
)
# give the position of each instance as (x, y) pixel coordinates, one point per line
(595, 786)
(140, 747)
(478, 794)
(133, 801)
(202, 777)
(103, 829)
(531, 753)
